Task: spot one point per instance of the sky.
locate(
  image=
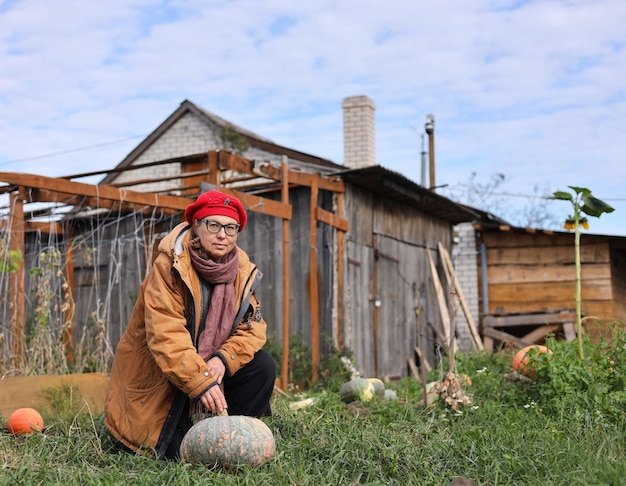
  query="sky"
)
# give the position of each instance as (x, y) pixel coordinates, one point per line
(529, 91)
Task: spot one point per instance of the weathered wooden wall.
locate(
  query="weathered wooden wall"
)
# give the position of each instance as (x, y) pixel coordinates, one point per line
(387, 277)
(535, 272)
(618, 280)
(262, 239)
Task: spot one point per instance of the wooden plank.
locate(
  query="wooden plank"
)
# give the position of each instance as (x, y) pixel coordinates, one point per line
(423, 361)
(31, 391)
(413, 367)
(589, 253)
(65, 187)
(236, 163)
(544, 273)
(314, 286)
(443, 304)
(457, 288)
(260, 204)
(559, 293)
(16, 284)
(187, 159)
(541, 332)
(526, 240)
(304, 178)
(341, 254)
(528, 319)
(596, 307)
(505, 337)
(331, 219)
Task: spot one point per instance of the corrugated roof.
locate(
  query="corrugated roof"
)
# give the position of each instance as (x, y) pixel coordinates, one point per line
(495, 226)
(395, 186)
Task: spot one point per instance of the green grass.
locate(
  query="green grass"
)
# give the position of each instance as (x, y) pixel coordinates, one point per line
(557, 430)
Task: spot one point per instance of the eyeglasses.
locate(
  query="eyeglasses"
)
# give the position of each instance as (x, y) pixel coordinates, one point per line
(215, 227)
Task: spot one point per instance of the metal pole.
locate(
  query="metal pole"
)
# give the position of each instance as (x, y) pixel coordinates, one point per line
(430, 130)
(423, 163)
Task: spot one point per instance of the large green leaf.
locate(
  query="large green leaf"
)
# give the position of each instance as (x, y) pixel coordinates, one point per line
(594, 206)
(562, 195)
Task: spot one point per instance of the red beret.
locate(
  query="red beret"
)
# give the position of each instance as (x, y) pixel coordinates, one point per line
(216, 203)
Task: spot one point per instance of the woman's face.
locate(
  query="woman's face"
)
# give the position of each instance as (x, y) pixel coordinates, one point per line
(219, 244)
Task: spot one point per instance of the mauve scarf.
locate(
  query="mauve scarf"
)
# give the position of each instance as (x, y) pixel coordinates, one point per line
(221, 313)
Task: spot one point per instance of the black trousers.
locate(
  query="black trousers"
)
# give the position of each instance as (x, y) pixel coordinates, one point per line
(247, 392)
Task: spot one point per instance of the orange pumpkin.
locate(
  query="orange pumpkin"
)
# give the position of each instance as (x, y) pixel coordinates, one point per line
(25, 421)
(228, 441)
(522, 362)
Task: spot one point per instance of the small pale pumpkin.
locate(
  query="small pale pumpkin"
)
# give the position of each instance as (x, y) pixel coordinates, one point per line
(228, 441)
(522, 362)
(357, 389)
(25, 421)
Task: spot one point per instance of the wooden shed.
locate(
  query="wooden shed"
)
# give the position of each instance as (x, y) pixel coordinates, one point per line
(527, 283)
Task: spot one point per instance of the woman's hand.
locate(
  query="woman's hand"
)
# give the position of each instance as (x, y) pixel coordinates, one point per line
(217, 369)
(213, 399)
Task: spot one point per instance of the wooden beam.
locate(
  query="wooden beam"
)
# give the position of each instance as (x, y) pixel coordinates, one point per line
(187, 159)
(304, 178)
(341, 249)
(16, 283)
(236, 163)
(375, 302)
(536, 319)
(541, 332)
(505, 337)
(98, 192)
(47, 196)
(313, 285)
(457, 288)
(423, 361)
(441, 300)
(331, 219)
(47, 228)
(68, 297)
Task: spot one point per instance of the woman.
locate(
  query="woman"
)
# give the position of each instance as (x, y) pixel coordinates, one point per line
(194, 338)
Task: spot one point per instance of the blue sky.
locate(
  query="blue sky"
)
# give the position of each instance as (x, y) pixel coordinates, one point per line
(530, 89)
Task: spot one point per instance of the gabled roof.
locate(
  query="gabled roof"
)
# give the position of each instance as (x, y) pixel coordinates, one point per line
(252, 138)
(397, 187)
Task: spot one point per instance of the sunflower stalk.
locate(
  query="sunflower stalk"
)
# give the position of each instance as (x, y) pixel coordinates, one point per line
(583, 202)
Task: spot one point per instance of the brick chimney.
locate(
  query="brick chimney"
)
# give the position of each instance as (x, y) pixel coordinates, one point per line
(359, 132)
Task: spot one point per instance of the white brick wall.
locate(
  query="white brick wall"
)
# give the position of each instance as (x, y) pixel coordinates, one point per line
(189, 135)
(466, 269)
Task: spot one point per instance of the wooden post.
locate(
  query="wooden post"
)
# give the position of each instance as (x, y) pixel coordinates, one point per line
(340, 255)
(374, 286)
(68, 297)
(16, 282)
(284, 368)
(313, 284)
(214, 168)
